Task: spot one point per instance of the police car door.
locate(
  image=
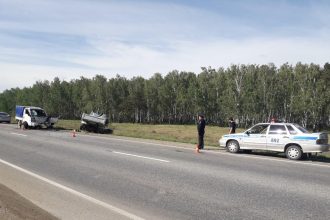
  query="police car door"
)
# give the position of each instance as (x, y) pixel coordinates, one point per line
(277, 137)
(255, 137)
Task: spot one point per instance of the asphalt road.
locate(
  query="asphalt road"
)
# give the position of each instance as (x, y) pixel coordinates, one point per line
(109, 177)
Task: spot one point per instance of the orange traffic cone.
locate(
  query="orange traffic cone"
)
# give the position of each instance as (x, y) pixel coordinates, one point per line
(74, 133)
(197, 149)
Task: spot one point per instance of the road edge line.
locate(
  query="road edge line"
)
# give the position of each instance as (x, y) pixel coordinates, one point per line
(74, 192)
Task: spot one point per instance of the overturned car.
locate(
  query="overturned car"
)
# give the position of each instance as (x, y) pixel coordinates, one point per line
(95, 122)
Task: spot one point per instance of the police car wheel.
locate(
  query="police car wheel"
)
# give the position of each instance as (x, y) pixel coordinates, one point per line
(233, 146)
(293, 152)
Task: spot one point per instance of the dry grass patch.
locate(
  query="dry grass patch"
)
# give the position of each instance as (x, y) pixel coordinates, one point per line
(177, 133)
(68, 124)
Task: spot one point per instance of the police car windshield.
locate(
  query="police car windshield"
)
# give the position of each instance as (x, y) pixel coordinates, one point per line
(302, 129)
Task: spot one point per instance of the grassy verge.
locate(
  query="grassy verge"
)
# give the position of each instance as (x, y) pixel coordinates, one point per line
(176, 133)
(68, 124)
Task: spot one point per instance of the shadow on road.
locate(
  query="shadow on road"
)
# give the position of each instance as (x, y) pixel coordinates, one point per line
(316, 158)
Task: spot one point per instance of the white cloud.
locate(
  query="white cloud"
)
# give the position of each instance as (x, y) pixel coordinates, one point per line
(188, 56)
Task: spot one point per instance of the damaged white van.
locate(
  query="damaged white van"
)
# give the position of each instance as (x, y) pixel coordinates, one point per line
(33, 117)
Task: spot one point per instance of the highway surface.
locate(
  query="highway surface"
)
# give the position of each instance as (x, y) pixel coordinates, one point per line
(107, 177)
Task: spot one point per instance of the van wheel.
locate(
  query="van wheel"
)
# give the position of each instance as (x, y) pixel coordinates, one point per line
(233, 146)
(25, 125)
(294, 152)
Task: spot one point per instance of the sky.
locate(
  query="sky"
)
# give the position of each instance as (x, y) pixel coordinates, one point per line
(44, 39)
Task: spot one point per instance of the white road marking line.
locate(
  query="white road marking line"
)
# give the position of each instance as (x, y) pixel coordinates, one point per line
(133, 155)
(74, 192)
(24, 135)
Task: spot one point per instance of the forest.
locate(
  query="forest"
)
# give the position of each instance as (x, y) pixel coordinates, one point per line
(250, 93)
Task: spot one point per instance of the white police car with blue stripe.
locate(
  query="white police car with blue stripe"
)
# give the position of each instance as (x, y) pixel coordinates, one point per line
(292, 139)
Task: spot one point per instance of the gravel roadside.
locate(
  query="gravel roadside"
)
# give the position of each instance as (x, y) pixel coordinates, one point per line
(15, 207)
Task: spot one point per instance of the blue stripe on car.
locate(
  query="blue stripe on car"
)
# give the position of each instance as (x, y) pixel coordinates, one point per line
(304, 138)
(234, 136)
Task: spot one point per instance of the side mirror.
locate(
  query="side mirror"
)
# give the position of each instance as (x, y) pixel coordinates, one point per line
(248, 132)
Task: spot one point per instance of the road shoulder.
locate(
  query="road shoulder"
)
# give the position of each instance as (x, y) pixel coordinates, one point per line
(13, 206)
(52, 198)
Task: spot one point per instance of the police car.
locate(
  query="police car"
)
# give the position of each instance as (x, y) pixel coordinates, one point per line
(292, 139)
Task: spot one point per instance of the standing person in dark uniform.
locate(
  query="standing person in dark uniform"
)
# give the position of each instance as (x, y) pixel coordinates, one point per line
(201, 132)
(232, 126)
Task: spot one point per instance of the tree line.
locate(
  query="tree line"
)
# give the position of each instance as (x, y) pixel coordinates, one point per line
(249, 93)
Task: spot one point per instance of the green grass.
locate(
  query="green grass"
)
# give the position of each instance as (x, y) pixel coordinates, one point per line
(68, 124)
(177, 133)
